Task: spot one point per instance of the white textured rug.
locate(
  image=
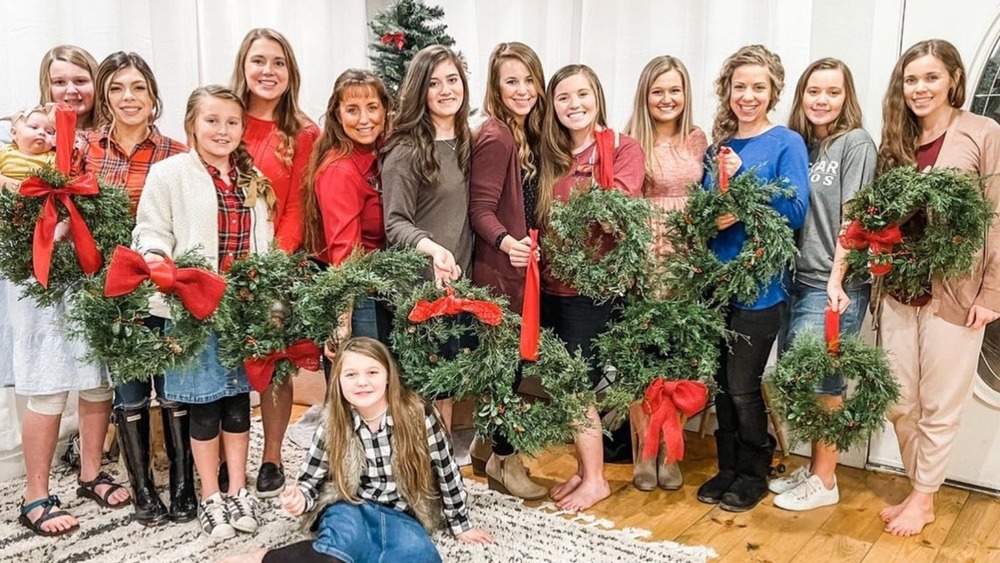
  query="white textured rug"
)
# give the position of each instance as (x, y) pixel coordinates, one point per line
(521, 534)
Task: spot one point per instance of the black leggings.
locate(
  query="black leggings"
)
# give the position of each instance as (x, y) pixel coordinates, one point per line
(231, 413)
(298, 552)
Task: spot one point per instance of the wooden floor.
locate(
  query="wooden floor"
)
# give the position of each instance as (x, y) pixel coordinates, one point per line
(967, 526)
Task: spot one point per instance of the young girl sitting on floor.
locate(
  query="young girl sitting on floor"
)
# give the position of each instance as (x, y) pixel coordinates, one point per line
(395, 479)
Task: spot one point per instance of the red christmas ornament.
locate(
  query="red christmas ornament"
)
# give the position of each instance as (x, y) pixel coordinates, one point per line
(397, 38)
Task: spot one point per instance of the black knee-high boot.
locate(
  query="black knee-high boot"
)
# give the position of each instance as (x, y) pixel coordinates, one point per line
(133, 439)
(176, 434)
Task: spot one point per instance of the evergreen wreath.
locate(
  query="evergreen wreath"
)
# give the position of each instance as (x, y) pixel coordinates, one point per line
(674, 339)
(806, 364)
(260, 315)
(106, 214)
(115, 334)
(769, 249)
(599, 241)
(401, 30)
(881, 241)
(386, 275)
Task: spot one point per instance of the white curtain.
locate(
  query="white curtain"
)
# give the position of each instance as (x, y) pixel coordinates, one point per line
(193, 42)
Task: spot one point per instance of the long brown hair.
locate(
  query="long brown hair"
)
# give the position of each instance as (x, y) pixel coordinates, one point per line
(248, 178)
(528, 135)
(75, 56)
(725, 125)
(900, 127)
(557, 144)
(334, 144)
(410, 456)
(110, 66)
(412, 125)
(287, 115)
(641, 125)
(850, 115)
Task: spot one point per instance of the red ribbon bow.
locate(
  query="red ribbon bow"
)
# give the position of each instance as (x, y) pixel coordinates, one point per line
(303, 354)
(662, 402)
(723, 171)
(604, 145)
(398, 38)
(531, 308)
(200, 291)
(448, 305)
(41, 247)
(832, 331)
(880, 242)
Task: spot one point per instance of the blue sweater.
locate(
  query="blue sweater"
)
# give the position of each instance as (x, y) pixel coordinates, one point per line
(780, 153)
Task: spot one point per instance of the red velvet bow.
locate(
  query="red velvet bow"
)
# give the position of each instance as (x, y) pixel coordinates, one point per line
(604, 145)
(723, 171)
(530, 310)
(398, 38)
(41, 248)
(200, 291)
(65, 136)
(662, 402)
(833, 331)
(489, 313)
(303, 353)
(880, 242)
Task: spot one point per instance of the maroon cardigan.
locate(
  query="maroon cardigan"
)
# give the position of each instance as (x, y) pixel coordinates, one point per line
(496, 204)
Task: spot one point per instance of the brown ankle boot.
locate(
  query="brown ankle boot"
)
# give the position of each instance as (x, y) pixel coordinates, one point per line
(643, 470)
(506, 474)
(480, 451)
(668, 475)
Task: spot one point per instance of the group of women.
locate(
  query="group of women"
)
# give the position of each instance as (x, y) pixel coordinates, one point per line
(415, 175)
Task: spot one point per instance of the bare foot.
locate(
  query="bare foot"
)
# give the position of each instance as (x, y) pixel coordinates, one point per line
(252, 557)
(62, 522)
(912, 519)
(117, 498)
(587, 494)
(889, 513)
(559, 491)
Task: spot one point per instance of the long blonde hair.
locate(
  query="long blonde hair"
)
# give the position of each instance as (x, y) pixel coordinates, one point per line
(641, 125)
(850, 115)
(528, 135)
(410, 456)
(557, 144)
(725, 125)
(287, 114)
(900, 127)
(75, 56)
(248, 178)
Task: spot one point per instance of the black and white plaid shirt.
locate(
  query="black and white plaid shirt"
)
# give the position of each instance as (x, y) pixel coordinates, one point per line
(377, 482)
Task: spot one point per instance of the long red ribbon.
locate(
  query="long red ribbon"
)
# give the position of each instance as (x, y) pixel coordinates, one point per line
(832, 331)
(200, 291)
(65, 137)
(302, 353)
(604, 145)
(87, 254)
(723, 171)
(664, 402)
(880, 242)
(449, 305)
(531, 307)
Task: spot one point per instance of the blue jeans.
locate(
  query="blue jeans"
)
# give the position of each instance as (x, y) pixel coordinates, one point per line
(372, 533)
(134, 395)
(808, 314)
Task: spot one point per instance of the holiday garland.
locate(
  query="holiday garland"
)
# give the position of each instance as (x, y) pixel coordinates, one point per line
(672, 339)
(261, 329)
(768, 251)
(806, 364)
(116, 336)
(106, 214)
(599, 241)
(909, 227)
(402, 29)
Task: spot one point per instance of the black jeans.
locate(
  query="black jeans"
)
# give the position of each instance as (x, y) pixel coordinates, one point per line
(739, 405)
(577, 321)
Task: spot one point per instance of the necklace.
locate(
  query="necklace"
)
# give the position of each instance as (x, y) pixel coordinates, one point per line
(451, 146)
(376, 417)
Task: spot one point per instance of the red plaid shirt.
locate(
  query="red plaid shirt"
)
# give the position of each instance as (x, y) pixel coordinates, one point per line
(235, 223)
(104, 157)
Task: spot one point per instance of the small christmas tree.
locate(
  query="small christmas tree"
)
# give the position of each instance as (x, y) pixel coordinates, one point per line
(401, 30)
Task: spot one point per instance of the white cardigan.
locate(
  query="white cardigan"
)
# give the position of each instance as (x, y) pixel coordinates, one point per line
(178, 212)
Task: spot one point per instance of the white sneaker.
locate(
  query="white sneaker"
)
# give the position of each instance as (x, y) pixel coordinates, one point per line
(810, 494)
(785, 484)
(242, 511)
(213, 516)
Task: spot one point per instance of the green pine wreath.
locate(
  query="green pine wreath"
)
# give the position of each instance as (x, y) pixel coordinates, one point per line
(957, 216)
(599, 241)
(674, 339)
(769, 249)
(107, 214)
(806, 364)
(115, 334)
(260, 315)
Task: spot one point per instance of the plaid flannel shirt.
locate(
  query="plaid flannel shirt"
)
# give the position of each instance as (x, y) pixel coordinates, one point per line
(377, 481)
(235, 222)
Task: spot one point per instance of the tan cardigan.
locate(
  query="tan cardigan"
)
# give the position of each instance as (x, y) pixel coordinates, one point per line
(972, 143)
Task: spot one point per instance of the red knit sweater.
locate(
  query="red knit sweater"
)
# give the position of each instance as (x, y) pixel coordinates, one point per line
(262, 139)
(350, 206)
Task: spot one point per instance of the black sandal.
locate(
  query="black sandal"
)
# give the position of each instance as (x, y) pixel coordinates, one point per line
(47, 503)
(88, 489)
